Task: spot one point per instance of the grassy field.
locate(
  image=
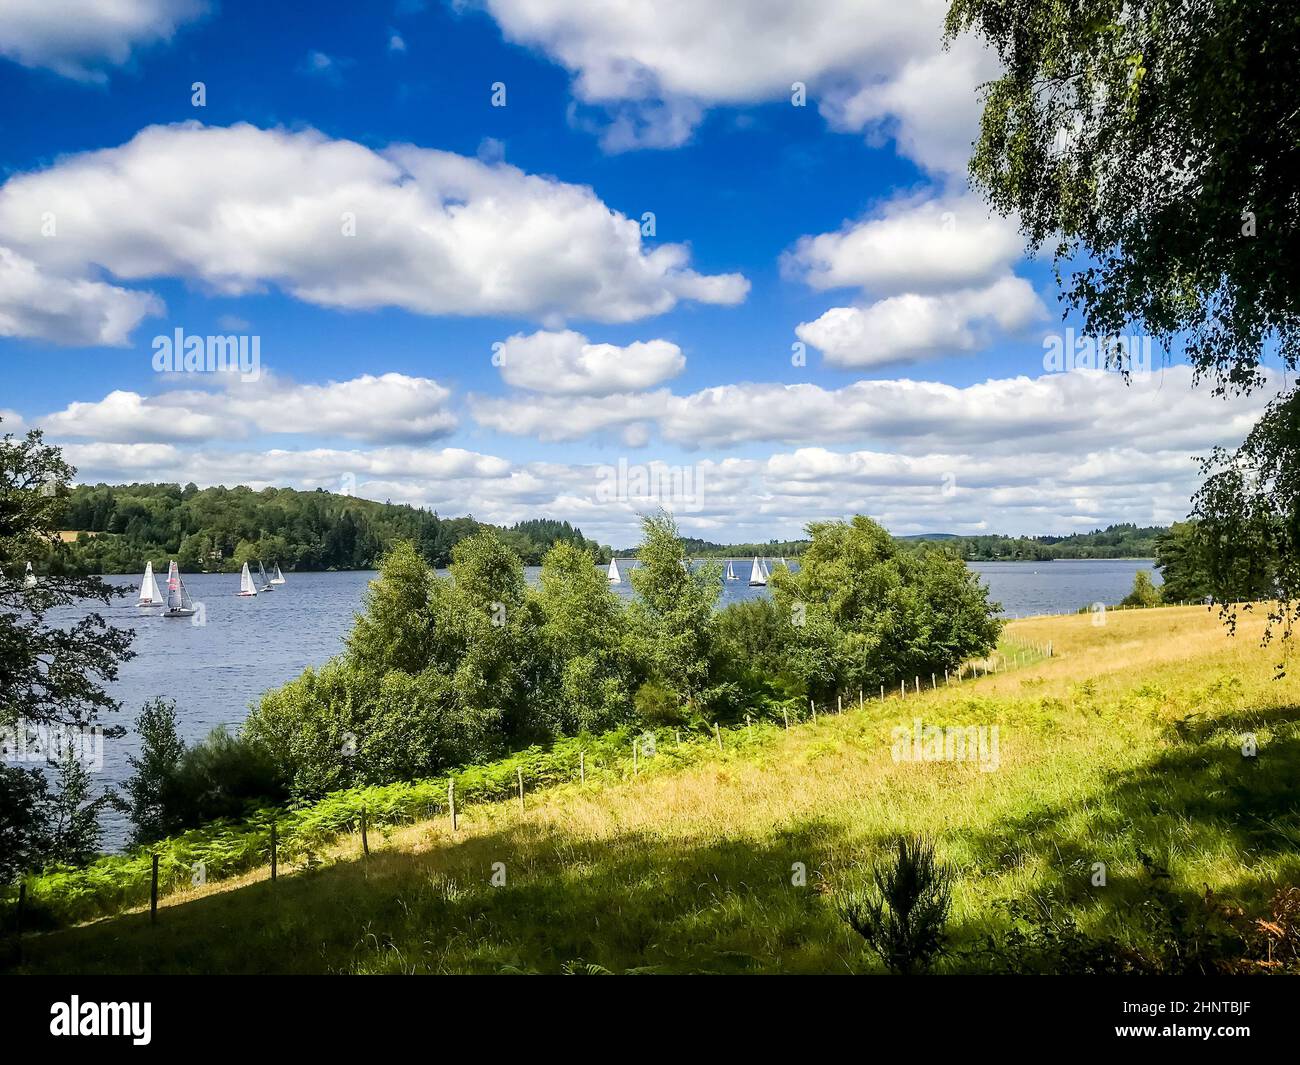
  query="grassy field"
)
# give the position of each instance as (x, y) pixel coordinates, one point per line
(1124, 748)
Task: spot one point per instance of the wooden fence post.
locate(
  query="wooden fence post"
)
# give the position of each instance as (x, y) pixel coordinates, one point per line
(932, 683)
(519, 771)
(582, 767)
(365, 842)
(635, 766)
(153, 891)
(882, 693)
(275, 846)
(717, 735)
(786, 716)
(451, 802)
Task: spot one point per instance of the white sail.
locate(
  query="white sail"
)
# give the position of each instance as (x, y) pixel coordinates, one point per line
(757, 578)
(179, 603)
(766, 572)
(279, 577)
(614, 576)
(731, 571)
(266, 581)
(149, 593)
(246, 586)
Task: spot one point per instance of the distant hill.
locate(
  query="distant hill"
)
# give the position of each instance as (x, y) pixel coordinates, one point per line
(1115, 541)
(122, 526)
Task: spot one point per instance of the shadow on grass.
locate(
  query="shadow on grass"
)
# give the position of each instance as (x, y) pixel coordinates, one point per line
(639, 902)
(631, 903)
(1198, 800)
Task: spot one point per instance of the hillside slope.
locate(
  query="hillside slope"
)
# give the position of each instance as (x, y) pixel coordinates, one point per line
(1124, 748)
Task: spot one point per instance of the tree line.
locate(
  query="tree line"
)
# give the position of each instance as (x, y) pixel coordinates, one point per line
(219, 529)
(1124, 540)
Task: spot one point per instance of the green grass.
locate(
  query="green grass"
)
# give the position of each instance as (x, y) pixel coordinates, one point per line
(1122, 748)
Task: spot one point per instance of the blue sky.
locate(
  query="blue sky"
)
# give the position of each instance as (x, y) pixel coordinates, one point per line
(844, 224)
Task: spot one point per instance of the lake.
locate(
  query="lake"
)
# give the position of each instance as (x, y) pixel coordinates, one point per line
(216, 670)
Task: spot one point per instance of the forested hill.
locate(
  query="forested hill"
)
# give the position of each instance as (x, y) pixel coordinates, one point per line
(222, 528)
(1115, 541)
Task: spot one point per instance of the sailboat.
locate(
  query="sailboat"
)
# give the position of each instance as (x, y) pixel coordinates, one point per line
(731, 571)
(614, 576)
(150, 596)
(757, 578)
(266, 581)
(246, 586)
(767, 573)
(279, 577)
(179, 603)
(29, 578)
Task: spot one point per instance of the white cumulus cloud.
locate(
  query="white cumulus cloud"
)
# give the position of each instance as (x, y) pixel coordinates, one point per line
(79, 38)
(388, 407)
(935, 276)
(876, 66)
(69, 311)
(336, 224)
(567, 363)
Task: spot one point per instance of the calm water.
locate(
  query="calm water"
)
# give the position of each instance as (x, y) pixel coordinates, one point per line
(215, 671)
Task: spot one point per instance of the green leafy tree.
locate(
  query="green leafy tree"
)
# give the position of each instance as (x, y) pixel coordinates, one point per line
(51, 673)
(1157, 142)
(863, 612)
(149, 792)
(1182, 566)
(1144, 592)
(584, 633)
(673, 613)
(392, 631)
(1247, 515)
(24, 824)
(73, 812)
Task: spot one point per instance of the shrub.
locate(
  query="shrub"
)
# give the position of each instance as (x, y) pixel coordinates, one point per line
(1144, 592)
(902, 915)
